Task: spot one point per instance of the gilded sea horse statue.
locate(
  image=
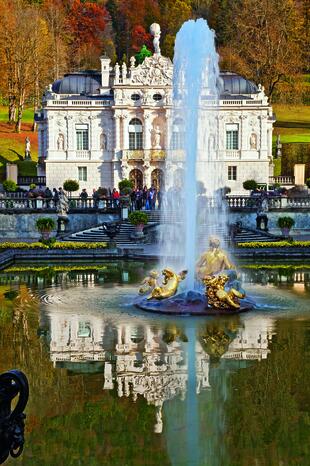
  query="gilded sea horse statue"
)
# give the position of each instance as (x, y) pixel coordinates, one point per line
(169, 285)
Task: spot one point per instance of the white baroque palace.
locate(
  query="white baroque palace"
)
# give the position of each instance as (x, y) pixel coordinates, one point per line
(101, 127)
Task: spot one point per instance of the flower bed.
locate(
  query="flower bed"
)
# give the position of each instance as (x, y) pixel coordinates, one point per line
(56, 245)
(275, 244)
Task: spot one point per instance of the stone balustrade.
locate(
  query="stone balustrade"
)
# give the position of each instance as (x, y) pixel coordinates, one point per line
(234, 203)
(282, 180)
(20, 204)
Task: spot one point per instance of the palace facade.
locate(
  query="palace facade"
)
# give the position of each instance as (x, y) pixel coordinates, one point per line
(101, 127)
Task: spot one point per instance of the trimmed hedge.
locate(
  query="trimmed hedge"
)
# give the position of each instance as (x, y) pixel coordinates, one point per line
(275, 244)
(56, 268)
(57, 245)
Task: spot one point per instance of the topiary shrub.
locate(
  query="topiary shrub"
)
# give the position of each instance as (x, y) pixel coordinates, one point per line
(32, 186)
(71, 186)
(125, 186)
(286, 222)
(308, 182)
(249, 185)
(9, 186)
(138, 218)
(45, 225)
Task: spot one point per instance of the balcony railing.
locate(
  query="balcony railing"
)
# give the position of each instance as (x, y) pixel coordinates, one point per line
(150, 154)
(28, 180)
(282, 180)
(83, 154)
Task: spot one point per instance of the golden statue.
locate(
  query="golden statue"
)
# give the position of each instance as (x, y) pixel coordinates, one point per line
(169, 285)
(218, 297)
(149, 282)
(213, 261)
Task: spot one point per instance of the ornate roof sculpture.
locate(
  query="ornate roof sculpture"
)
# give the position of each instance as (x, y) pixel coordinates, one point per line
(155, 70)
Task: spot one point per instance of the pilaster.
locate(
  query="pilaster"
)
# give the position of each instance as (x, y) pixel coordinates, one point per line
(147, 143)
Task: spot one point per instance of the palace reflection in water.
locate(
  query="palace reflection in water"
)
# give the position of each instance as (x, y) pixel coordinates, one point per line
(151, 361)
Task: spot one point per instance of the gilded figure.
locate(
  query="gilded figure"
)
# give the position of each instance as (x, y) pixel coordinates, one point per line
(149, 283)
(220, 298)
(169, 285)
(213, 261)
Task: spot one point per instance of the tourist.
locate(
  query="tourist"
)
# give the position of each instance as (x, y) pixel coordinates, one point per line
(144, 196)
(133, 199)
(48, 196)
(139, 199)
(95, 197)
(115, 197)
(159, 198)
(84, 197)
(152, 197)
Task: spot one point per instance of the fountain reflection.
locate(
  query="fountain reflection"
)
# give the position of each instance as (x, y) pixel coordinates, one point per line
(149, 359)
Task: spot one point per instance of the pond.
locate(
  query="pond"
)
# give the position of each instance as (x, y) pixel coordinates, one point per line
(111, 385)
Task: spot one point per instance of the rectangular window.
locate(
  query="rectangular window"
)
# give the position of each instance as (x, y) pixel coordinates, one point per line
(232, 173)
(232, 137)
(178, 141)
(135, 141)
(82, 137)
(82, 173)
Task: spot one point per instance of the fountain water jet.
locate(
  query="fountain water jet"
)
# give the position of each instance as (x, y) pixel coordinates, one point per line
(193, 168)
(192, 207)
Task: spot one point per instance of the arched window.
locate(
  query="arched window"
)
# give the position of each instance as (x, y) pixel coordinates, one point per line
(135, 134)
(178, 135)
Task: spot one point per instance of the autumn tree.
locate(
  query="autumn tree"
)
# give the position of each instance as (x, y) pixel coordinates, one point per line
(267, 36)
(173, 14)
(24, 45)
(85, 24)
(55, 15)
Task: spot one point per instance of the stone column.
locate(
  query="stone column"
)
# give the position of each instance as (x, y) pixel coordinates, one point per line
(244, 137)
(147, 128)
(263, 135)
(70, 147)
(91, 143)
(125, 132)
(168, 130)
(117, 119)
(50, 132)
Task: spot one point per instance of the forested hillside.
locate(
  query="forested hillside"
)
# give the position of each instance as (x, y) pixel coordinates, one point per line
(267, 41)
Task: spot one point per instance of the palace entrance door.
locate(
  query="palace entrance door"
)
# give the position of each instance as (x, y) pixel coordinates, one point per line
(137, 177)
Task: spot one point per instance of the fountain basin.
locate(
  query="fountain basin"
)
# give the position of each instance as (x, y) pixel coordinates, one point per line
(191, 303)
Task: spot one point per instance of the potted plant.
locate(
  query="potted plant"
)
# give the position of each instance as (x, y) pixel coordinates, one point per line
(250, 185)
(70, 186)
(9, 186)
(45, 225)
(285, 224)
(139, 220)
(125, 187)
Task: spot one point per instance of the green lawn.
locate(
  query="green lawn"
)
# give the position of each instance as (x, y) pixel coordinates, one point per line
(292, 123)
(12, 145)
(27, 115)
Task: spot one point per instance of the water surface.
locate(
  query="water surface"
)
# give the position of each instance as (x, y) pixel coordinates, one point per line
(111, 385)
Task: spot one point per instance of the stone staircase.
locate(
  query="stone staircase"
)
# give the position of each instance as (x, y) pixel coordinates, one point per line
(251, 236)
(123, 238)
(97, 234)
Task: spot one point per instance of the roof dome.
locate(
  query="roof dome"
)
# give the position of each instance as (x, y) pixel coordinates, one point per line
(83, 82)
(234, 84)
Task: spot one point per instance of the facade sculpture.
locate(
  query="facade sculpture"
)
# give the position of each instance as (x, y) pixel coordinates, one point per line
(61, 142)
(27, 148)
(81, 104)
